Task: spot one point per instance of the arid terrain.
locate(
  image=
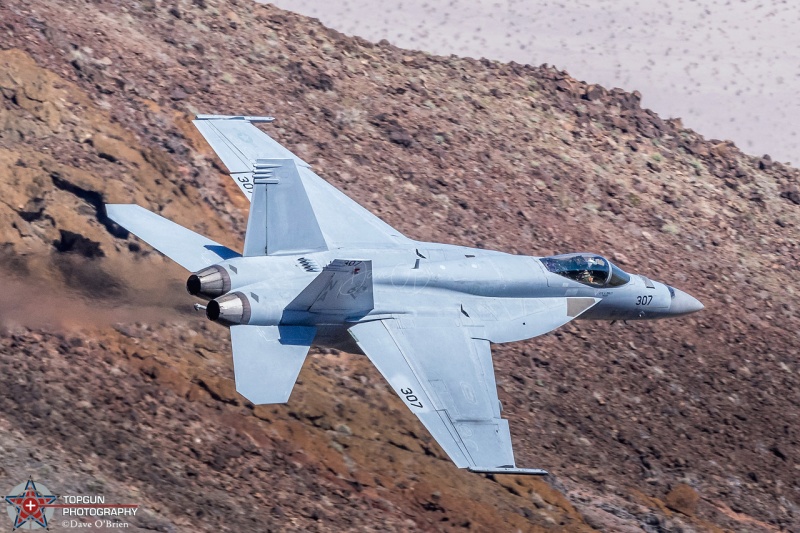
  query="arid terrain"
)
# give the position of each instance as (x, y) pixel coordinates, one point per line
(110, 384)
(729, 69)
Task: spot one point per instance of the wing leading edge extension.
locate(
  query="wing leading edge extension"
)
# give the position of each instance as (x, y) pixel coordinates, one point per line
(445, 376)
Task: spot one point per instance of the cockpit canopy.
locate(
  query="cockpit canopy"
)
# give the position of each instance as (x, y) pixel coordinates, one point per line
(589, 269)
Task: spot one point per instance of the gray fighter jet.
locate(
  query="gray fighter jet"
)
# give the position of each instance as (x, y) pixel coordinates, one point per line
(319, 269)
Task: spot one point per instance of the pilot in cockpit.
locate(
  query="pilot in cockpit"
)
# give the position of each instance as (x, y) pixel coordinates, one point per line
(591, 270)
(581, 267)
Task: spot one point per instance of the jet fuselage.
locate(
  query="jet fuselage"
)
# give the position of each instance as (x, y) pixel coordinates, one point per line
(430, 277)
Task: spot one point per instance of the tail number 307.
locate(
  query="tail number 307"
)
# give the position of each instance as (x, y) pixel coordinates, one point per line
(411, 398)
(643, 300)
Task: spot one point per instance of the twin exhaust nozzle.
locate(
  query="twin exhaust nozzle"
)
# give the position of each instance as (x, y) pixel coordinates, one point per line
(231, 309)
(214, 282)
(209, 283)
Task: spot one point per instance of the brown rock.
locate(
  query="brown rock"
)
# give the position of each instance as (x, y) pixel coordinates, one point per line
(594, 93)
(178, 94)
(722, 149)
(401, 137)
(220, 389)
(793, 195)
(683, 499)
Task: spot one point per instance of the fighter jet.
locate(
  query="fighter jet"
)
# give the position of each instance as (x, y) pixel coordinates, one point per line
(318, 269)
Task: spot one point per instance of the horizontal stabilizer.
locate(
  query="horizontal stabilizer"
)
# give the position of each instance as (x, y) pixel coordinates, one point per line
(343, 287)
(268, 359)
(189, 249)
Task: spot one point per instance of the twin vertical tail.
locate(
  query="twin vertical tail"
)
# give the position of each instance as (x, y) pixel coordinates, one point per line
(281, 218)
(267, 358)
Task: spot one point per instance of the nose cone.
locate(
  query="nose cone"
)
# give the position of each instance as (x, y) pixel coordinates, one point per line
(683, 304)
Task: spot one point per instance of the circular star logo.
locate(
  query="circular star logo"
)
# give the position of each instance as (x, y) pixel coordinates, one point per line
(29, 505)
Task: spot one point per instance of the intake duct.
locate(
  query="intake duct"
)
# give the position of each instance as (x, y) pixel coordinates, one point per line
(231, 309)
(210, 282)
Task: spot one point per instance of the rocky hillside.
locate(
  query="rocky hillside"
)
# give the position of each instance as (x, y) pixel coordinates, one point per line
(110, 384)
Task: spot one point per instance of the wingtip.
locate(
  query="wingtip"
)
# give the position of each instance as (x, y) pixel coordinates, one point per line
(510, 470)
(246, 118)
(112, 209)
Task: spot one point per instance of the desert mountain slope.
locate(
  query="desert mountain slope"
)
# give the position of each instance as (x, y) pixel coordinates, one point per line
(109, 383)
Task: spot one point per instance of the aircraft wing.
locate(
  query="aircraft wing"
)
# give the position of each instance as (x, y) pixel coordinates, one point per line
(446, 377)
(248, 152)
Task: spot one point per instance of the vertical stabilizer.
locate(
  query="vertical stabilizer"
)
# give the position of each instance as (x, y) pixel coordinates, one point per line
(281, 219)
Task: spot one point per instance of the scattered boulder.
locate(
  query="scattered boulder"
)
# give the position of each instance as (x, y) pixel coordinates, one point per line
(683, 499)
(311, 76)
(793, 195)
(594, 93)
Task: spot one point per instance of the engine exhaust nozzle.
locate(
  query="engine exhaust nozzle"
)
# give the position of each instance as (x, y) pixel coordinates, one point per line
(231, 309)
(210, 282)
